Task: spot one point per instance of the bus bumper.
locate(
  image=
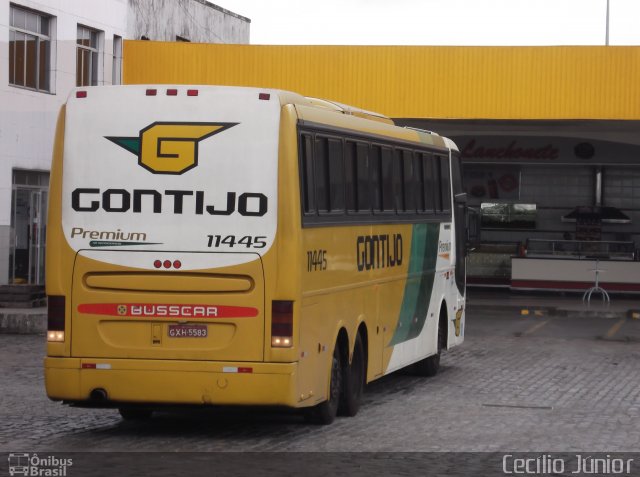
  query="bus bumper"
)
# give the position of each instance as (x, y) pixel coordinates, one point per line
(172, 382)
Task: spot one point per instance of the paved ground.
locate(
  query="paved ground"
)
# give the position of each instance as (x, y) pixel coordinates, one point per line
(536, 382)
(519, 383)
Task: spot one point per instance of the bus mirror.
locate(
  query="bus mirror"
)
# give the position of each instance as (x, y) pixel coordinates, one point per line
(461, 198)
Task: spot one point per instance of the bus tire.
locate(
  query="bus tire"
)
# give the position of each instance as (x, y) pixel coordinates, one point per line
(135, 414)
(429, 366)
(353, 381)
(325, 412)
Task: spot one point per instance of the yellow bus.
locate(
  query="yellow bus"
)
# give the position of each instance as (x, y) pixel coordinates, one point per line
(237, 246)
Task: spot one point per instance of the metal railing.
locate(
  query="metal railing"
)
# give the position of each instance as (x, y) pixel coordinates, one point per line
(581, 249)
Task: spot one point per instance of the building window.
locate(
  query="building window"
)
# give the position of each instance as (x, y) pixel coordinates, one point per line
(116, 70)
(87, 55)
(27, 235)
(29, 49)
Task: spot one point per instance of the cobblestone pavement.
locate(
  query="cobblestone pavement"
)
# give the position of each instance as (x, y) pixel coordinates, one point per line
(519, 383)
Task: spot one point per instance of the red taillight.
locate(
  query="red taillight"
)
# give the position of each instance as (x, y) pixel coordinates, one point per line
(151, 92)
(264, 96)
(166, 264)
(55, 318)
(172, 92)
(55, 313)
(192, 92)
(81, 94)
(281, 324)
(177, 264)
(157, 264)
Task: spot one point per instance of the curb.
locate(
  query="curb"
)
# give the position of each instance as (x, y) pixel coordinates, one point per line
(24, 322)
(525, 310)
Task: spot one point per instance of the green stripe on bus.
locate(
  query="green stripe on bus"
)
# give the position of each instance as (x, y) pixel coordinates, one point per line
(421, 273)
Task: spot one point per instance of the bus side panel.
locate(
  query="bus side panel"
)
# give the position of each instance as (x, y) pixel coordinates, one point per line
(394, 278)
(415, 334)
(59, 257)
(430, 298)
(358, 274)
(336, 294)
(281, 266)
(323, 316)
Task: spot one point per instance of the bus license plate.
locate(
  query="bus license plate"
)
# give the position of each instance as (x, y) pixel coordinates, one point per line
(187, 331)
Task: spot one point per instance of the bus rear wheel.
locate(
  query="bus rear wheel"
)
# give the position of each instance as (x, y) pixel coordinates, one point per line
(353, 381)
(428, 366)
(325, 412)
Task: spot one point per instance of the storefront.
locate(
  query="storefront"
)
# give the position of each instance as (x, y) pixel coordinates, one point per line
(555, 190)
(550, 137)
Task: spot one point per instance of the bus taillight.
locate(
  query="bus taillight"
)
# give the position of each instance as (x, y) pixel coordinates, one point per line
(281, 324)
(55, 318)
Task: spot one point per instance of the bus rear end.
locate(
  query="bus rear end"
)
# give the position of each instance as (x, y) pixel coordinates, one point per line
(163, 209)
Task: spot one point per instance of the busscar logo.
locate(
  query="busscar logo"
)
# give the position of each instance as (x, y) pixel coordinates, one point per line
(169, 147)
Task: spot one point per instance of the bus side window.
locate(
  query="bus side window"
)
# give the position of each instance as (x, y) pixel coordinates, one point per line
(362, 161)
(321, 173)
(350, 176)
(437, 186)
(430, 189)
(398, 182)
(308, 184)
(358, 177)
(357, 169)
(418, 172)
(336, 175)
(388, 189)
(375, 169)
(445, 190)
(408, 182)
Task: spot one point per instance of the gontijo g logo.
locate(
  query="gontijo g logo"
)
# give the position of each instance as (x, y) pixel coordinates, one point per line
(169, 148)
(163, 148)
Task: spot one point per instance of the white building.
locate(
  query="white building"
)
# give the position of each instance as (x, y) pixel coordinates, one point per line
(48, 47)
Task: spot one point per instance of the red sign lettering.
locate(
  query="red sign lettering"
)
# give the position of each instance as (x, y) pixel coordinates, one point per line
(512, 151)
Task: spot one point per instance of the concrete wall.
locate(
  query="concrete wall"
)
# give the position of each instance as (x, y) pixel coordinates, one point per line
(195, 20)
(28, 118)
(4, 249)
(414, 81)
